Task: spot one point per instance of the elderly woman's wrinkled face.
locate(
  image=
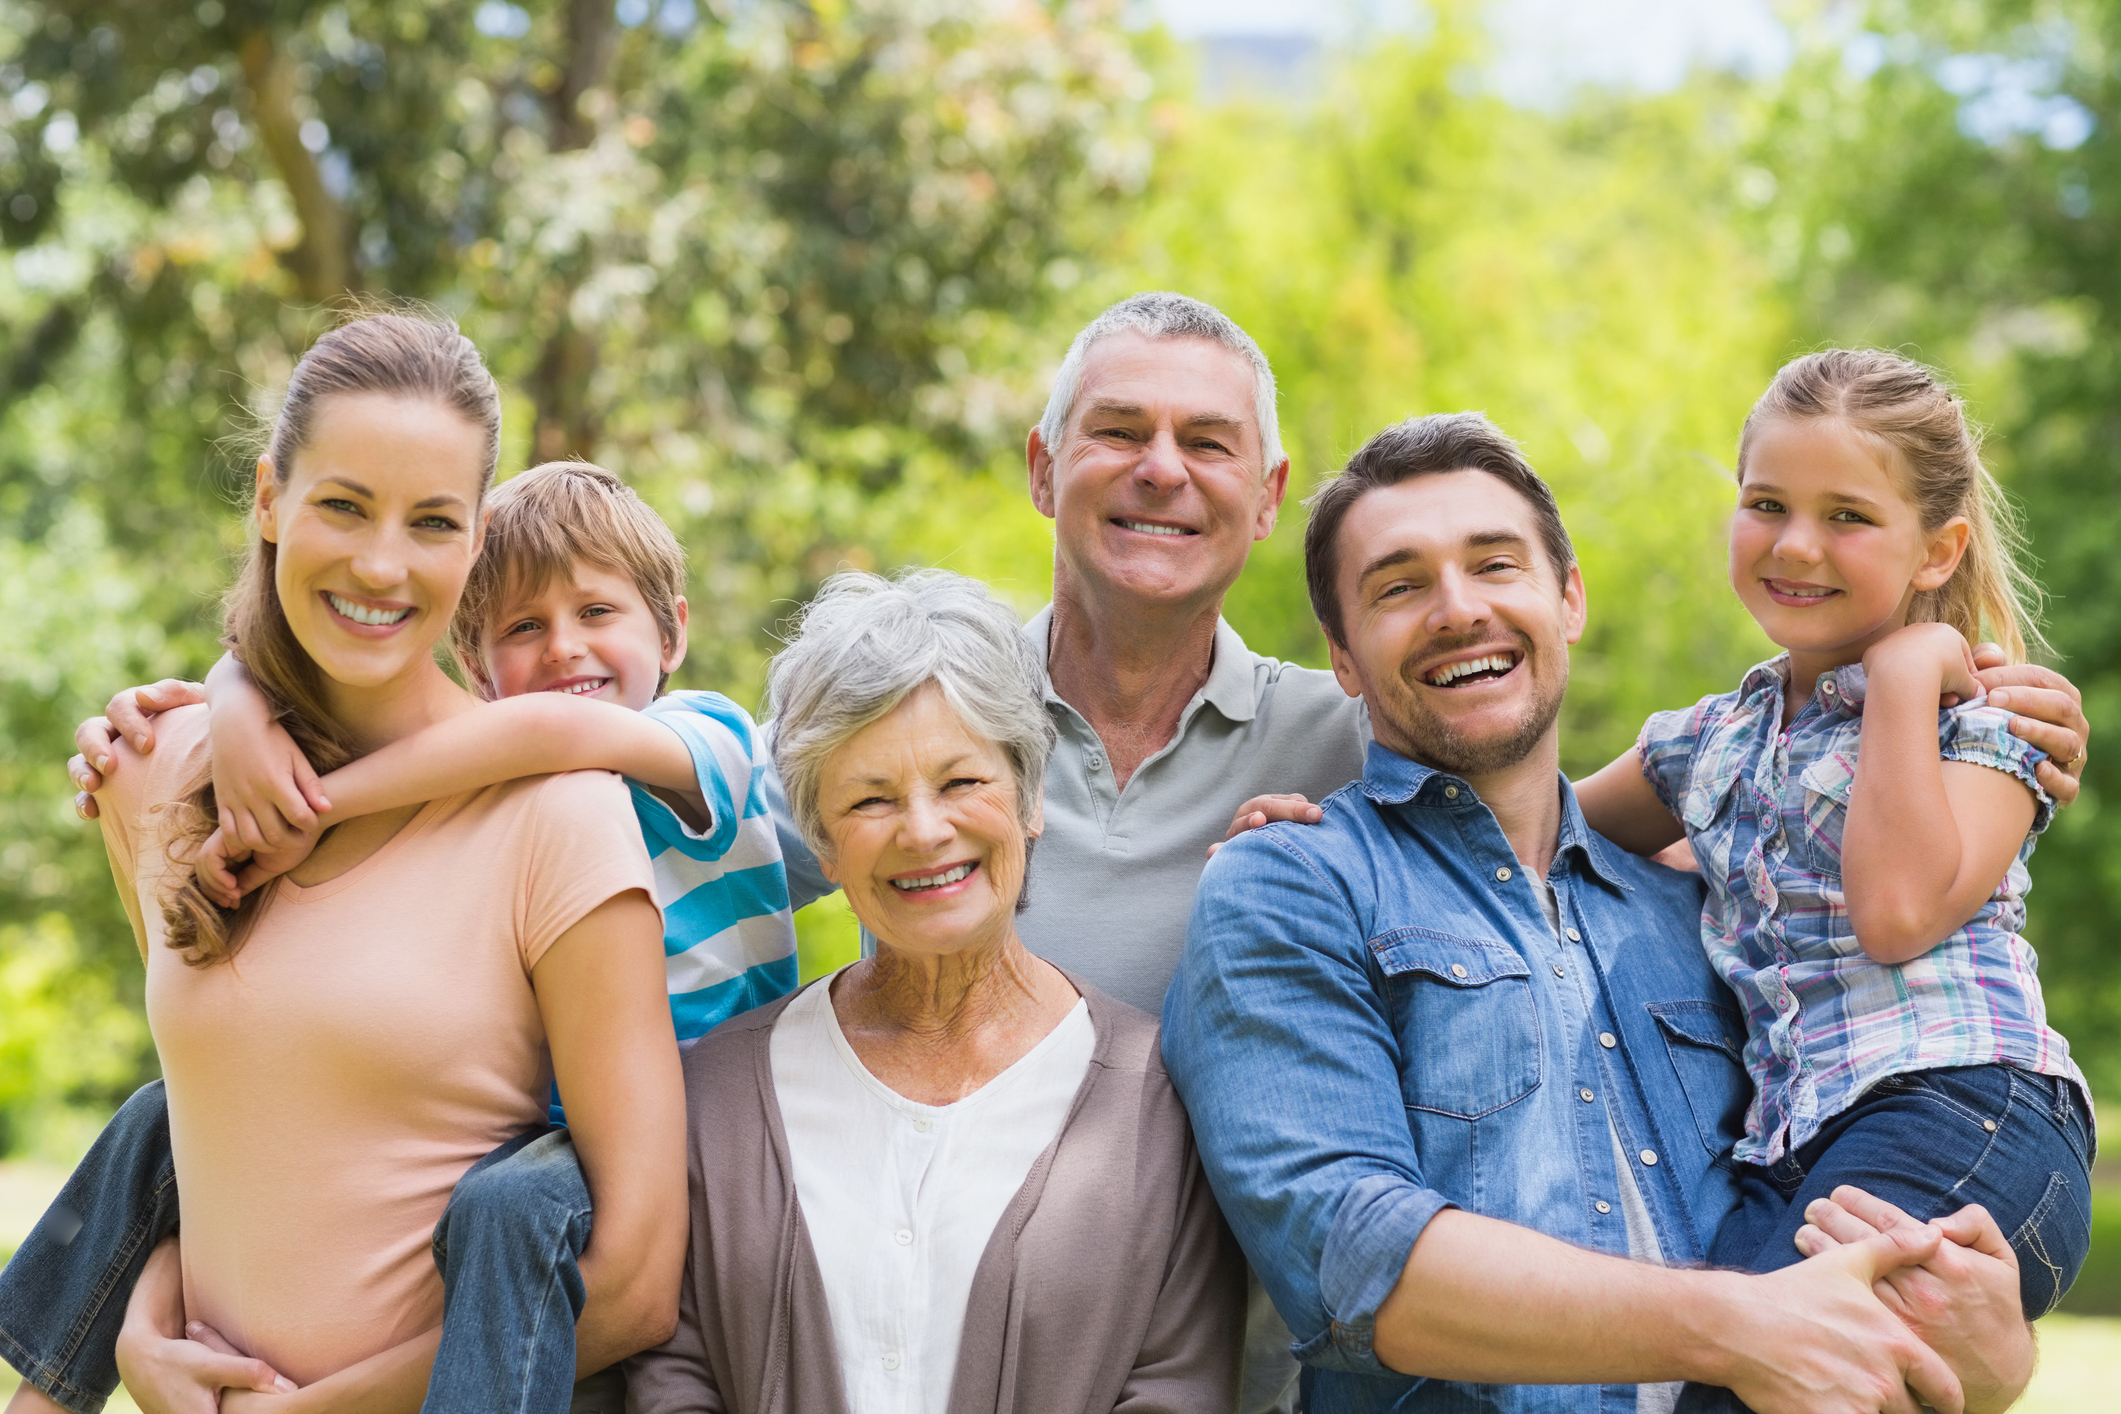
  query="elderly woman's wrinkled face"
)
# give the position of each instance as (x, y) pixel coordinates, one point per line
(922, 816)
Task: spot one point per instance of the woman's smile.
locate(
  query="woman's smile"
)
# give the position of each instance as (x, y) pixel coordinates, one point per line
(945, 881)
(365, 618)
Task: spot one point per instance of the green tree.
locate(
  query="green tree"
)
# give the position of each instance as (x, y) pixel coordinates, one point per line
(747, 255)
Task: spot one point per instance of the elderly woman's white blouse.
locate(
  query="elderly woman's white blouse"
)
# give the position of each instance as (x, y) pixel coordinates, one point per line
(900, 1198)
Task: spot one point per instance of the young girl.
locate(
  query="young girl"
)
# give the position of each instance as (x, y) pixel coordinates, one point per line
(1864, 851)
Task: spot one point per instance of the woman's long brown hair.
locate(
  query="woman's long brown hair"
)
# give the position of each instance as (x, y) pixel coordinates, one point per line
(401, 354)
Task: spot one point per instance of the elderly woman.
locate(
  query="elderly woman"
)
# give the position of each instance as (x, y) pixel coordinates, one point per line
(948, 1178)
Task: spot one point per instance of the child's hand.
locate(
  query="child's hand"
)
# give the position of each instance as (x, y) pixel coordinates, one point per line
(1927, 648)
(130, 715)
(226, 872)
(267, 794)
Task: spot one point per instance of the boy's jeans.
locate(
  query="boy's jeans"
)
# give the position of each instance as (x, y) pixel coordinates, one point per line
(507, 1247)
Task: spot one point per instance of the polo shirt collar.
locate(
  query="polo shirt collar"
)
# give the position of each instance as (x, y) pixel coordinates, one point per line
(1391, 779)
(1229, 688)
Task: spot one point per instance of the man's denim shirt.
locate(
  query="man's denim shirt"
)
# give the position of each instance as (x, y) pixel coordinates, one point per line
(1372, 1022)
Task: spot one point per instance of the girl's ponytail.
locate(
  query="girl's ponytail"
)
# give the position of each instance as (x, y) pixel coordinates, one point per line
(1937, 452)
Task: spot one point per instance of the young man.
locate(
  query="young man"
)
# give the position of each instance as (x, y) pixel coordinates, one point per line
(1452, 1059)
(574, 619)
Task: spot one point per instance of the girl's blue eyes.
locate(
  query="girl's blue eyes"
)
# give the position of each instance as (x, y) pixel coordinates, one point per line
(1776, 508)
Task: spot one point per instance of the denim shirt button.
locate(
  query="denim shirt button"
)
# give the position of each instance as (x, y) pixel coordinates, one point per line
(1558, 971)
(1574, 936)
(1503, 874)
(1605, 1039)
(1458, 969)
(1603, 1206)
(1450, 792)
(1587, 1095)
(1649, 1156)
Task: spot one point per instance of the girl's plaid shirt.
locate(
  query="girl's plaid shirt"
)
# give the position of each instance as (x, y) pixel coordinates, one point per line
(1764, 810)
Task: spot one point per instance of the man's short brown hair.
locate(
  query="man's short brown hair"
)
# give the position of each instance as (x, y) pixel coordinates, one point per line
(1420, 446)
(547, 521)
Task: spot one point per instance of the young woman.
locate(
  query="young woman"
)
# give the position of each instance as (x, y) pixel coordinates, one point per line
(342, 1048)
(1865, 852)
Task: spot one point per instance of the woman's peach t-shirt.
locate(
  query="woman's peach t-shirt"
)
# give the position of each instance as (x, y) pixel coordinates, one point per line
(375, 1036)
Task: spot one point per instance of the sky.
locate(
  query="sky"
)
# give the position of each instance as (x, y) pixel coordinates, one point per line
(1545, 47)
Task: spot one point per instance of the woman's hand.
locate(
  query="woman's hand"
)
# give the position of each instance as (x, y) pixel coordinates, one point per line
(1925, 648)
(167, 1373)
(237, 1398)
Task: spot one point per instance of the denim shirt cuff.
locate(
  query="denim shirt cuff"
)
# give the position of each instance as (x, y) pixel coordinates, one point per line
(1365, 1252)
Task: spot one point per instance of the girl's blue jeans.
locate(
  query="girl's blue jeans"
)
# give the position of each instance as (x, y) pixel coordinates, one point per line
(1930, 1143)
(507, 1246)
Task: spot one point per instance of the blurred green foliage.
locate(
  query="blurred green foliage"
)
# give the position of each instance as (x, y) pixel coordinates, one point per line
(800, 271)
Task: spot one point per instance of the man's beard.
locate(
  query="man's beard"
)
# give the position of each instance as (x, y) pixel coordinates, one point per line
(1439, 744)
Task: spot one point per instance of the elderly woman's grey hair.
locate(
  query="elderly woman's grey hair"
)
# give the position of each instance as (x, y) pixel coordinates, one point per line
(867, 643)
(1161, 314)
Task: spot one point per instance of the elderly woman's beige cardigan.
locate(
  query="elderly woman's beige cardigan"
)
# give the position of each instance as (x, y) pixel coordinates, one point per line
(1110, 1283)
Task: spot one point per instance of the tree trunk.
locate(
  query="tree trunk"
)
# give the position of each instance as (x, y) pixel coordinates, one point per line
(323, 260)
(566, 424)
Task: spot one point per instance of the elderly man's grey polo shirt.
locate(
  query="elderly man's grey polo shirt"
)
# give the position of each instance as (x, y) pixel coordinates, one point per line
(1113, 876)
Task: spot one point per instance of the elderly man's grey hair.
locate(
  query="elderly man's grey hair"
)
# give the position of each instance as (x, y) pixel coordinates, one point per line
(1161, 314)
(867, 643)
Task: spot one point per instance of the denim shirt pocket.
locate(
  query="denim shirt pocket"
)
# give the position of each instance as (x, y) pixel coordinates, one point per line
(1467, 1024)
(1827, 783)
(1705, 1043)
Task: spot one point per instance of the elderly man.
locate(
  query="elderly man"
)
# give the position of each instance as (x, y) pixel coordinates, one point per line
(1160, 462)
(1452, 1059)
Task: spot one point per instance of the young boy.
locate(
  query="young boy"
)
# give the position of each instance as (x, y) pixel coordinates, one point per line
(572, 622)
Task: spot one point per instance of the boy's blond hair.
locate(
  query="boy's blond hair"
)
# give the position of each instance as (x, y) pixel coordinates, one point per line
(550, 519)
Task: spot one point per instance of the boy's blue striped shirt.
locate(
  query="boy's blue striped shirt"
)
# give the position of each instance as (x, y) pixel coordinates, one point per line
(728, 933)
